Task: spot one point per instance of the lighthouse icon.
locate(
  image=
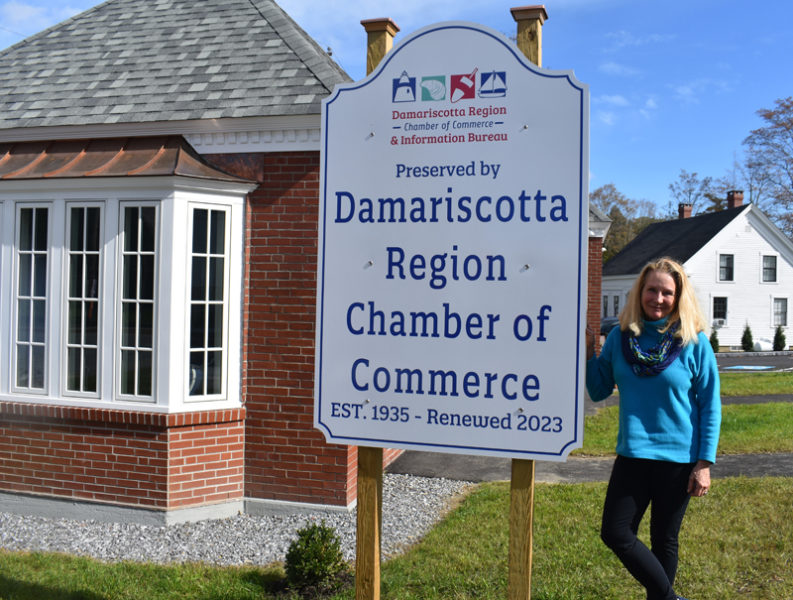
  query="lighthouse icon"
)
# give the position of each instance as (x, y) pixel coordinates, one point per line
(404, 88)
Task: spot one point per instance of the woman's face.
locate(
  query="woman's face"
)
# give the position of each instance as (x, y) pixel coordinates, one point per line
(658, 295)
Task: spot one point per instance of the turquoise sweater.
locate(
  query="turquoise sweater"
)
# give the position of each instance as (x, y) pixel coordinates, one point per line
(673, 416)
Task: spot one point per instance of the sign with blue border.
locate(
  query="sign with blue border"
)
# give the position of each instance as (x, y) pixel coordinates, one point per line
(451, 281)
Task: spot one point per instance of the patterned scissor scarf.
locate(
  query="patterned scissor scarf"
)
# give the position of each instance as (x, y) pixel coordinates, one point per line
(646, 363)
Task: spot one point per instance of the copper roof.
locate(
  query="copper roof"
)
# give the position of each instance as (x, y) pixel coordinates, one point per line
(111, 157)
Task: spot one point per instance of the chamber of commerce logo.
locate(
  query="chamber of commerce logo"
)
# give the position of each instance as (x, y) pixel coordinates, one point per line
(455, 88)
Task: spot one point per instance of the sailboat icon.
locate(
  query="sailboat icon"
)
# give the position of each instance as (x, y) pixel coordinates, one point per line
(493, 84)
(404, 88)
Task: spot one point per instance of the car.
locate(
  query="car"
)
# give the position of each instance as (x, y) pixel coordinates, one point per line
(607, 324)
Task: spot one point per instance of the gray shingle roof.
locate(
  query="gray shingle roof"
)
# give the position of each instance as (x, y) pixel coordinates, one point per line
(679, 239)
(137, 61)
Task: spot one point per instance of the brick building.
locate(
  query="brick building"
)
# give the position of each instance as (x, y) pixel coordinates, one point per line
(159, 166)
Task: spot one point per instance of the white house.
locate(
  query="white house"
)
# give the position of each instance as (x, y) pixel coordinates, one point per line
(740, 263)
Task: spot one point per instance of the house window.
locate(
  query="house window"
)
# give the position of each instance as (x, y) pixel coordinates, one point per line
(138, 264)
(207, 303)
(31, 298)
(720, 308)
(605, 306)
(616, 305)
(769, 269)
(84, 229)
(726, 267)
(780, 312)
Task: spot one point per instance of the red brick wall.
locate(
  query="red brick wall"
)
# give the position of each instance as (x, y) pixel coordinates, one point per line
(286, 458)
(148, 460)
(595, 292)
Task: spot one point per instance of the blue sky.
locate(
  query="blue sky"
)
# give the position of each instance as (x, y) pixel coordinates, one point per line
(673, 86)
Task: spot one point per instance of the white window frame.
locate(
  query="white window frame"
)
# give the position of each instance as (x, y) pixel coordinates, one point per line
(119, 301)
(726, 308)
(774, 313)
(100, 299)
(763, 280)
(731, 256)
(189, 301)
(15, 274)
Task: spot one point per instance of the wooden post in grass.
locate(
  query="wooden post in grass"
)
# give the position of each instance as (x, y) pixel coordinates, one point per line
(521, 500)
(380, 39)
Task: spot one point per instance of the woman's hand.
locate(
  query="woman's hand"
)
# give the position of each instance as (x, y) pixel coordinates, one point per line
(699, 480)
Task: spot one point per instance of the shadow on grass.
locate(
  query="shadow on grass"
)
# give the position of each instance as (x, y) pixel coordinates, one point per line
(14, 589)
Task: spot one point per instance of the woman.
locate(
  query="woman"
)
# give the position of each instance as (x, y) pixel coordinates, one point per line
(670, 414)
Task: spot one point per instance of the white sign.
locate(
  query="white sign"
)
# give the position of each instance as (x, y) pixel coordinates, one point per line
(451, 292)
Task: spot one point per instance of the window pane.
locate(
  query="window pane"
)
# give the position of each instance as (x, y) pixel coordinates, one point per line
(130, 229)
(76, 276)
(129, 320)
(39, 321)
(197, 326)
(215, 326)
(147, 224)
(128, 372)
(198, 278)
(197, 373)
(214, 372)
(217, 235)
(130, 277)
(75, 322)
(23, 320)
(40, 275)
(73, 369)
(76, 231)
(147, 277)
(144, 373)
(91, 276)
(23, 366)
(146, 328)
(91, 323)
(40, 240)
(37, 367)
(90, 370)
(25, 274)
(769, 268)
(216, 279)
(26, 229)
(199, 231)
(92, 229)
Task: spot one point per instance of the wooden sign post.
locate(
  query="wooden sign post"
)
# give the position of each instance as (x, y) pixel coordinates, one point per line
(521, 491)
(380, 39)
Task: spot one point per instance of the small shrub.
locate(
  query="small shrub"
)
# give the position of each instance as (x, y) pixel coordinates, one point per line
(747, 343)
(779, 339)
(714, 341)
(314, 560)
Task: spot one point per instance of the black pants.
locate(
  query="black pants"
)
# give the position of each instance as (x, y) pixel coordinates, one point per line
(635, 484)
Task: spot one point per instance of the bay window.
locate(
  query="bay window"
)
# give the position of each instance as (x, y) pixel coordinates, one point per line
(109, 300)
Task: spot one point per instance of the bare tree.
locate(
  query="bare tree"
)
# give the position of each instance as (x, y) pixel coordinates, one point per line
(770, 150)
(690, 189)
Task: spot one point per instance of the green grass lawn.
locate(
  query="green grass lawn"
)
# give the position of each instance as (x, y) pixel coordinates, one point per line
(736, 543)
(756, 384)
(745, 429)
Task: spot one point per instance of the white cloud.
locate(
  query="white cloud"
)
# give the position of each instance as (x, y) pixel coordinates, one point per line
(616, 100)
(692, 91)
(16, 14)
(606, 117)
(620, 70)
(624, 39)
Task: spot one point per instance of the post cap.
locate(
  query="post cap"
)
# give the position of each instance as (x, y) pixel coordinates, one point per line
(535, 11)
(377, 25)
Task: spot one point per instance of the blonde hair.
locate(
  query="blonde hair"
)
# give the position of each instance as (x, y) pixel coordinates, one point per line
(686, 310)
